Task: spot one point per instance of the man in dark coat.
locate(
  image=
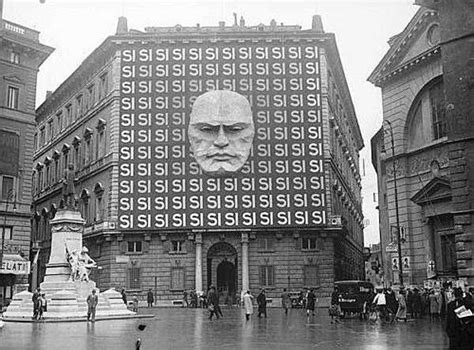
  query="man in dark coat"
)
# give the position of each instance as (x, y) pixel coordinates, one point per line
(212, 302)
(262, 304)
(392, 304)
(92, 301)
(460, 332)
(150, 298)
(416, 303)
(310, 301)
(36, 303)
(124, 297)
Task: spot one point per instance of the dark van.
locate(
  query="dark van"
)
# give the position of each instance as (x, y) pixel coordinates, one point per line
(354, 296)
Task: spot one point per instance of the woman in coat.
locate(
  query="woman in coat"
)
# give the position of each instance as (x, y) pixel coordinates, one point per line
(310, 301)
(248, 306)
(262, 304)
(402, 307)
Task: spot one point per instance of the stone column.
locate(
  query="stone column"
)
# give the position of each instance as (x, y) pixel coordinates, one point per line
(245, 261)
(198, 242)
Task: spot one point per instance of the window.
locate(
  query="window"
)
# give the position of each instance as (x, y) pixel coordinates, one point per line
(7, 188)
(47, 177)
(12, 97)
(448, 252)
(311, 275)
(104, 85)
(177, 246)
(438, 114)
(68, 119)
(100, 144)
(91, 96)
(42, 136)
(79, 106)
(266, 243)
(8, 232)
(76, 160)
(134, 246)
(177, 278)
(98, 208)
(35, 142)
(267, 275)
(15, 57)
(133, 277)
(308, 243)
(57, 168)
(87, 151)
(59, 121)
(51, 130)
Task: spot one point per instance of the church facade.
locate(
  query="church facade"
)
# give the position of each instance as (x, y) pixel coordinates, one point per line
(290, 217)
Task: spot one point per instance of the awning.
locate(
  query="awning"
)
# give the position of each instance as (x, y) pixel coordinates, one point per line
(14, 264)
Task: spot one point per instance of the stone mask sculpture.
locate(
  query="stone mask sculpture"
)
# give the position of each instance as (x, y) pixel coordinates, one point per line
(221, 132)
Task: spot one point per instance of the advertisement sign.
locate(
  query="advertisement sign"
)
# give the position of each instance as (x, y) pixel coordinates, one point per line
(163, 185)
(15, 266)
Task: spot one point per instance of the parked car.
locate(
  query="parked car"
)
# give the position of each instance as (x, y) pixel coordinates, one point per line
(354, 297)
(297, 300)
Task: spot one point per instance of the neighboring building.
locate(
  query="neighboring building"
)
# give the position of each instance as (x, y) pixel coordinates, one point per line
(21, 54)
(290, 219)
(374, 271)
(431, 150)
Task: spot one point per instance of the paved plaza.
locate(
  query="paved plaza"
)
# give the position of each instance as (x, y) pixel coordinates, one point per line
(177, 328)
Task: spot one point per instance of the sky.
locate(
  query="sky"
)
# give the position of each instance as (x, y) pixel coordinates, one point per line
(362, 28)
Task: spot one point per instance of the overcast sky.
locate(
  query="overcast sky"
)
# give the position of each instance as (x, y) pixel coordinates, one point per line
(76, 27)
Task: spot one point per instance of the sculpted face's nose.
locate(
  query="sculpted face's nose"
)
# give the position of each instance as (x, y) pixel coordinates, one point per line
(221, 140)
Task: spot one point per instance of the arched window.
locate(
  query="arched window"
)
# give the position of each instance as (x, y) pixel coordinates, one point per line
(85, 205)
(99, 203)
(427, 118)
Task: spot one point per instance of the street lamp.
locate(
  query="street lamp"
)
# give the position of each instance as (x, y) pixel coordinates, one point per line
(10, 196)
(399, 243)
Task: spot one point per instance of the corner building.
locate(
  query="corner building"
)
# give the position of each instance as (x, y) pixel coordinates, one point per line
(290, 218)
(21, 55)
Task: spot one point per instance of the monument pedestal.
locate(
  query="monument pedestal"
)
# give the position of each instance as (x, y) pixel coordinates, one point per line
(66, 298)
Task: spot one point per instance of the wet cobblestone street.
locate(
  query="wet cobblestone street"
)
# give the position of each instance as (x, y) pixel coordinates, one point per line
(177, 328)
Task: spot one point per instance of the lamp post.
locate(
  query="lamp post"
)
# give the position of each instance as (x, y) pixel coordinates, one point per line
(399, 243)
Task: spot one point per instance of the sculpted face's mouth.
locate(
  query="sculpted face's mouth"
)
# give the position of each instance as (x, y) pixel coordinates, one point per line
(220, 156)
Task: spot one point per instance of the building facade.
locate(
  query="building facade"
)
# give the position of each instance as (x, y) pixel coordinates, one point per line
(290, 218)
(424, 167)
(21, 54)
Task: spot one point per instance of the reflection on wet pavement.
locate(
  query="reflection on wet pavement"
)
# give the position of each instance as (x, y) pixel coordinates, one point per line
(177, 328)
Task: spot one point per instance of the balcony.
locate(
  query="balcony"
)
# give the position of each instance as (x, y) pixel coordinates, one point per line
(21, 31)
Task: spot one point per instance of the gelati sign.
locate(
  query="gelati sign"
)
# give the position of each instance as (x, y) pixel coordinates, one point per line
(161, 186)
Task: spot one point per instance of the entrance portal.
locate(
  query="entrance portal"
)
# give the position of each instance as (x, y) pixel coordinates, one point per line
(222, 271)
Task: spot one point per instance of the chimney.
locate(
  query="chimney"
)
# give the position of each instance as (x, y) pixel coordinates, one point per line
(48, 94)
(317, 24)
(122, 27)
(235, 19)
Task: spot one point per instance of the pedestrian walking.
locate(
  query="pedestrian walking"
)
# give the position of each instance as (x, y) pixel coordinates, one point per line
(285, 301)
(212, 302)
(416, 303)
(135, 303)
(402, 307)
(380, 303)
(262, 304)
(310, 301)
(150, 299)
(460, 333)
(41, 306)
(335, 309)
(433, 305)
(92, 301)
(248, 305)
(124, 297)
(392, 304)
(185, 299)
(35, 298)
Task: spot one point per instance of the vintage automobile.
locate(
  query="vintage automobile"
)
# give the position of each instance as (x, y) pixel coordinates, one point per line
(354, 297)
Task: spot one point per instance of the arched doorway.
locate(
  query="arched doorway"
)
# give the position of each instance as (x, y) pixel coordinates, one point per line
(222, 266)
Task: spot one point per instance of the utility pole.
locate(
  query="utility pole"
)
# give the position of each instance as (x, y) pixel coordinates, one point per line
(397, 215)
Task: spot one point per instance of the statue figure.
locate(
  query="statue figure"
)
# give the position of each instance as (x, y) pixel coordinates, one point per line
(221, 131)
(81, 264)
(68, 190)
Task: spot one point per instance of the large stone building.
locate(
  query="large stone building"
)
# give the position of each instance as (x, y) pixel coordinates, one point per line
(426, 107)
(291, 218)
(21, 54)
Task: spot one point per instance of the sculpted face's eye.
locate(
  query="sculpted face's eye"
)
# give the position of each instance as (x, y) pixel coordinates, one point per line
(206, 128)
(235, 128)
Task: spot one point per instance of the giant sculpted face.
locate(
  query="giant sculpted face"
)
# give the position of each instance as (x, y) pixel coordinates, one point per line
(221, 131)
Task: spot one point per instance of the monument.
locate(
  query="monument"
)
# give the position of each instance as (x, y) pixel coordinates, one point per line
(66, 283)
